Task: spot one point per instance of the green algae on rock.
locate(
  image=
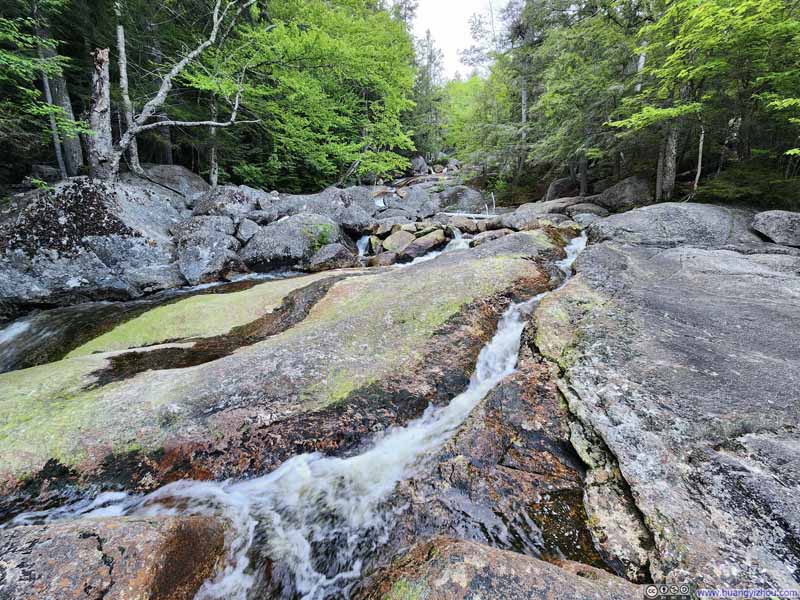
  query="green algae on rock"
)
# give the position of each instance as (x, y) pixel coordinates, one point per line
(365, 331)
(198, 316)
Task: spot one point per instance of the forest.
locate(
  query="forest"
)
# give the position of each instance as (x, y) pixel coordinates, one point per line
(297, 95)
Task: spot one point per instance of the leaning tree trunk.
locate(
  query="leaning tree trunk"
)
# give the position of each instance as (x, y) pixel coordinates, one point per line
(127, 105)
(103, 160)
(700, 157)
(48, 96)
(670, 161)
(73, 153)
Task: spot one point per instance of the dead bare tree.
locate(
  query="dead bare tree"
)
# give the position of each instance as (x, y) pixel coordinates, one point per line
(106, 157)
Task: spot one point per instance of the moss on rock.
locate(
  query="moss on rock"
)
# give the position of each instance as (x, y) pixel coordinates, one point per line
(199, 316)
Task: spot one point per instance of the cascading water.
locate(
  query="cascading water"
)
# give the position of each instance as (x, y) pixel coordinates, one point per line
(320, 516)
(362, 244)
(457, 243)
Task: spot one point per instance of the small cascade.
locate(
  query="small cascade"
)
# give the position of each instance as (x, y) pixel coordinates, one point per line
(362, 245)
(459, 242)
(322, 517)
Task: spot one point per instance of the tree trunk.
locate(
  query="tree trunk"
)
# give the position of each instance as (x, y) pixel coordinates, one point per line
(640, 64)
(72, 151)
(48, 96)
(670, 160)
(127, 105)
(213, 174)
(166, 143)
(700, 157)
(103, 160)
(583, 170)
(523, 93)
(660, 173)
(165, 133)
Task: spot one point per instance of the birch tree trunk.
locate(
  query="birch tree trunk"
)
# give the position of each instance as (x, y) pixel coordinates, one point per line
(213, 174)
(103, 160)
(127, 105)
(700, 157)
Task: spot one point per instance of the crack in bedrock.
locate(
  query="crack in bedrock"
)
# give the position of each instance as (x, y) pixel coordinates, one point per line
(618, 525)
(107, 560)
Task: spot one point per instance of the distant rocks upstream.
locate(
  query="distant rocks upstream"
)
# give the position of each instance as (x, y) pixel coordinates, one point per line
(383, 392)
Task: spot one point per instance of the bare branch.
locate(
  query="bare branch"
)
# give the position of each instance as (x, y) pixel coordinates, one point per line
(219, 15)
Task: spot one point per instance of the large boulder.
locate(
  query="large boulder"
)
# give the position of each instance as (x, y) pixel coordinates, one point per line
(290, 241)
(779, 226)
(674, 224)
(450, 569)
(399, 241)
(246, 230)
(53, 251)
(177, 178)
(461, 198)
(566, 187)
(332, 256)
(681, 371)
(417, 201)
(92, 559)
(419, 166)
(423, 244)
(229, 200)
(179, 184)
(335, 204)
(628, 193)
(204, 255)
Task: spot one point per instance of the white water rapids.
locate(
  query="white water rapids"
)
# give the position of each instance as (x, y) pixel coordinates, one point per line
(320, 516)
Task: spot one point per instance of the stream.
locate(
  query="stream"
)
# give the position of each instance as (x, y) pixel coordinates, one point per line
(322, 518)
(49, 335)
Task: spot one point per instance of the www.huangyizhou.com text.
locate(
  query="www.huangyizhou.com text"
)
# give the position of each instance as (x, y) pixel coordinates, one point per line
(684, 592)
(742, 593)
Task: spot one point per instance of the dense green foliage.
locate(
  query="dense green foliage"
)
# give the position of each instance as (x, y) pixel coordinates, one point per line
(324, 90)
(600, 86)
(321, 85)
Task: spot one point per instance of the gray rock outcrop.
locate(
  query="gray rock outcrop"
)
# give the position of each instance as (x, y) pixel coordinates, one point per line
(290, 241)
(779, 226)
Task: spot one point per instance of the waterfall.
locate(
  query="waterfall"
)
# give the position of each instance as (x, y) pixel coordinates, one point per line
(320, 516)
(362, 245)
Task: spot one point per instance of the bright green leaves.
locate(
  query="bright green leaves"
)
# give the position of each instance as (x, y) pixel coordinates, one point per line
(329, 85)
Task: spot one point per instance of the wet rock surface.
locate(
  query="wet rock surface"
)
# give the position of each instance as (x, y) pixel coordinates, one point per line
(362, 349)
(110, 559)
(450, 569)
(648, 434)
(680, 366)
